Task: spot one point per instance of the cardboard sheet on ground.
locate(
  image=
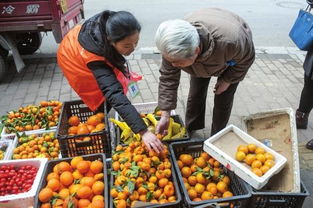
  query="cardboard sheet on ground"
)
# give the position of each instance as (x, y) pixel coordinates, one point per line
(277, 130)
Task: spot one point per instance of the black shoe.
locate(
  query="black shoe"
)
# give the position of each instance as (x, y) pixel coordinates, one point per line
(302, 120)
(309, 145)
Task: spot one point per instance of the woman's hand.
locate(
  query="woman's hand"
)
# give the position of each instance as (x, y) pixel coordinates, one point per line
(152, 142)
(163, 123)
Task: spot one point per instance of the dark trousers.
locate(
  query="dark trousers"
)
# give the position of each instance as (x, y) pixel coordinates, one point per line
(306, 100)
(195, 113)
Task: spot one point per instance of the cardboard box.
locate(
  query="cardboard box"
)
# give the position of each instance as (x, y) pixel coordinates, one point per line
(223, 147)
(277, 129)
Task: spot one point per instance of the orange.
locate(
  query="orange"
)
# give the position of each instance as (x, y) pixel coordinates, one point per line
(206, 195)
(186, 159)
(226, 179)
(227, 194)
(74, 187)
(77, 175)
(82, 129)
(192, 180)
(249, 159)
(205, 155)
(100, 126)
(192, 193)
(87, 181)
(199, 188)
(243, 148)
(259, 150)
(45, 195)
(93, 120)
(201, 178)
(66, 178)
(187, 186)
(98, 187)
(84, 192)
(163, 182)
(216, 164)
(45, 205)
(97, 204)
(98, 197)
(69, 202)
(73, 121)
(186, 171)
(100, 115)
(53, 184)
(99, 176)
(197, 199)
(121, 204)
(260, 157)
(212, 190)
(257, 171)
(264, 169)
(221, 186)
(64, 193)
(193, 168)
(83, 203)
(64, 166)
(52, 175)
(72, 130)
(201, 162)
(171, 199)
(256, 164)
(169, 190)
(75, 160)
(240, 155)
(269, 163)
(114, 193)
(251, 148)
(268, 156)
(83, 166)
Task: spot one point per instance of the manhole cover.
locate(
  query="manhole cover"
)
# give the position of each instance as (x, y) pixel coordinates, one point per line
(290, 4)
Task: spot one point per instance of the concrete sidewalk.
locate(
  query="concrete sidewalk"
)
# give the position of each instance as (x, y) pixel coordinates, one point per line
(274, 81)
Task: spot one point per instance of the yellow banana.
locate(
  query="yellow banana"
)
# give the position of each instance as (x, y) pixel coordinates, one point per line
(181, 134)
(120, 124)
(152, 119)
(176, 128)
(146, 121)
(169, 130)
(126, 133)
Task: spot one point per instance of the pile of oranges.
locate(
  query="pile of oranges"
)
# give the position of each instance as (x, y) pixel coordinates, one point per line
(94, 123)
(37, 146)
(255, 157)
(76, 184)
(141, 175)
(33, 117)
(203, 177)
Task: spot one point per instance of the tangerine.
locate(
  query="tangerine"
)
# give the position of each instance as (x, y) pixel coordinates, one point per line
(83, 166)
(74, 121)
(84, 192)
(98, 187)
(45, 195)
(66, 178)
(96, 166)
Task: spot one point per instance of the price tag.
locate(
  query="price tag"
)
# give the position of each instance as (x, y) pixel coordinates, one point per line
(133, 89)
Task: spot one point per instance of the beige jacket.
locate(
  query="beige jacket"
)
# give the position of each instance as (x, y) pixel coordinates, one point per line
(224, 37)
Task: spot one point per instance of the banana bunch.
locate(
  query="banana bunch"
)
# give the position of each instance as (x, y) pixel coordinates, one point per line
(175, 130)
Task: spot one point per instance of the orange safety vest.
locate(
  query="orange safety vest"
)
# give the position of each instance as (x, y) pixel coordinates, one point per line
(73, 60)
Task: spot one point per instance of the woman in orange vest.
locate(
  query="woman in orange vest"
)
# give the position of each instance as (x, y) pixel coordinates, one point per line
(91, 58)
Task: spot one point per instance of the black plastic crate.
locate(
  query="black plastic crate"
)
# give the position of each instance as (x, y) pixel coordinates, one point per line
(49, 168)
(238, 187)
(176, 118)
(270, 199)
(100, 142)
(176, 204)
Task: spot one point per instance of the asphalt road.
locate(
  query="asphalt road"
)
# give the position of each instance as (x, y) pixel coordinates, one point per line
(270, 20)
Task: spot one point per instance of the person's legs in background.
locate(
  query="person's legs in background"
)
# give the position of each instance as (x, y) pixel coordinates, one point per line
(223, 104)
(195, 111)
(305, 107)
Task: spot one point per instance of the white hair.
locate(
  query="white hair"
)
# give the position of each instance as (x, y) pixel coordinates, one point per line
(177, 38)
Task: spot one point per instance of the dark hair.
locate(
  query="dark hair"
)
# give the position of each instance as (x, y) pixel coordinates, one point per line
(116, 27)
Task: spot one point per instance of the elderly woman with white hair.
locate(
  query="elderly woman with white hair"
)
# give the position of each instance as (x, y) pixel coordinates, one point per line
(209, 42)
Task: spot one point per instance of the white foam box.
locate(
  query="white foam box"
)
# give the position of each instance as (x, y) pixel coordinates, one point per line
(23, 199)
(15, 142)
(223, 147)
(4, 135)
(277, 129)
(9, 149)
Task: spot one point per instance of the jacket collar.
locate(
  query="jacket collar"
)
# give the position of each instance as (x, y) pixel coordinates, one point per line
(206, 42)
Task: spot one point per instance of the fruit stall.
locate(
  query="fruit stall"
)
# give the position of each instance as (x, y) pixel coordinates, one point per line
(63, 155)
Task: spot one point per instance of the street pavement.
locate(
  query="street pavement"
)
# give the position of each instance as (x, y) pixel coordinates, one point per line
(274, 81)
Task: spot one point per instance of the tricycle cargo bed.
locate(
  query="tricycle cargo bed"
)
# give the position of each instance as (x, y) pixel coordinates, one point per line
(58, 16)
